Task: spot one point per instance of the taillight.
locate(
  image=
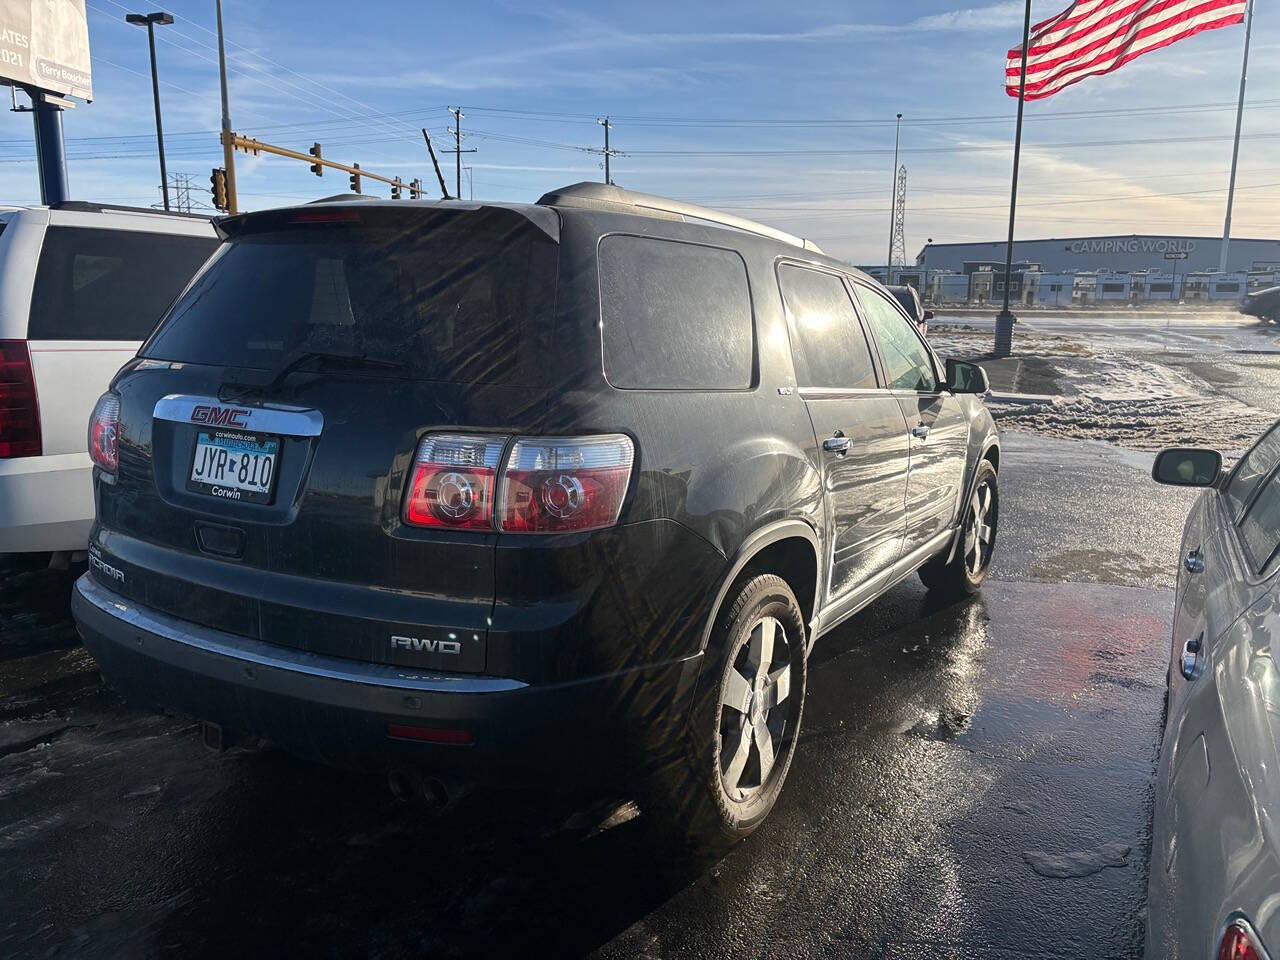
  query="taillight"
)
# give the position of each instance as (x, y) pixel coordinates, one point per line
(452, 482)
(560, 484)
(19, 411)
(104, 431)
(1239, 943)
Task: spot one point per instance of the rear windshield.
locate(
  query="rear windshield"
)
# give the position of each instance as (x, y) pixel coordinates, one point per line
(460, 297)
(94, 284)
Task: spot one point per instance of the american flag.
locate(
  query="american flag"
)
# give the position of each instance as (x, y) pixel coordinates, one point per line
(1097, 36)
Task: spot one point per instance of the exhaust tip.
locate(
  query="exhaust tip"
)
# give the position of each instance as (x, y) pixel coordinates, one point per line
(400, 783)
(408, 784)
(435, 793)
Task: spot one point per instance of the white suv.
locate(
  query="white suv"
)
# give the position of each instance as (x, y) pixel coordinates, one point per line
(81, 285)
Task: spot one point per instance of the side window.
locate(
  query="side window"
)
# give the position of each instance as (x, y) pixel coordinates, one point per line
(94, 284)
(1260, 528)
(828, 343)
(674, 316)
(1255, 465)
(908, 365)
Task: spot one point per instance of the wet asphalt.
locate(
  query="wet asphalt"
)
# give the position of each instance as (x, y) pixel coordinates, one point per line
(954, 758)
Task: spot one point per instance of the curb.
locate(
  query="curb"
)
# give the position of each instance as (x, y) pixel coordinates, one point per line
(999, 396)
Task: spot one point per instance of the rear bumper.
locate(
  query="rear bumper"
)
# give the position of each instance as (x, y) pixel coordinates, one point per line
(46, 503)
(337, 711)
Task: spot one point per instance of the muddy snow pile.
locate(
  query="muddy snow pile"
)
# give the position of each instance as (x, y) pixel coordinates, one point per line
(1110, 395)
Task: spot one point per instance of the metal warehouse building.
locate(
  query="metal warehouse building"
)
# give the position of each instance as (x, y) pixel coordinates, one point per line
(1119, 254)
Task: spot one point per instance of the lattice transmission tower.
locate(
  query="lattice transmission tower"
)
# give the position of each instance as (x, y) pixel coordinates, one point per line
(898, 246)
(179, 193)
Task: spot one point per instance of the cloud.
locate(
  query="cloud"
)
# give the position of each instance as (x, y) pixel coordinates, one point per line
(973, 18)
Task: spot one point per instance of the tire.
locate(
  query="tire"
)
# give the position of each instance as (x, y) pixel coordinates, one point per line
(963, 576)
(723, 786)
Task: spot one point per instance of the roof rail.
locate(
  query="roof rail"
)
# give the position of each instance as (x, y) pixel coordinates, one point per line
(342, 197)
(605, 196)
(87, 206)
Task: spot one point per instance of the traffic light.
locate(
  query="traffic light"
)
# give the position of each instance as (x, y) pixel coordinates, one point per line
(316, 168)
(395, 189)
(355, 179)
(415, 189)
(219, 184)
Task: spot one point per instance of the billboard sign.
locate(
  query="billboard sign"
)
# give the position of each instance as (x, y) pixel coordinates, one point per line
(45, 44)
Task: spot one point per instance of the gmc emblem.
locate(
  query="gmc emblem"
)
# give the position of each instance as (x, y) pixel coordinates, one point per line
(220, 416)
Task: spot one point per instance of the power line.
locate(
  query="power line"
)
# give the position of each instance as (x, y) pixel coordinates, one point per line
(651, 120)
(292, 89)
(374, 114)
(964, 148)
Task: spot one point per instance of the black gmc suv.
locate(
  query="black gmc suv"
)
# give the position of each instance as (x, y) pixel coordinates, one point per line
(548, 490)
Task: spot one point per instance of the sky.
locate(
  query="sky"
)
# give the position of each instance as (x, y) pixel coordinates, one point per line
(783, 113)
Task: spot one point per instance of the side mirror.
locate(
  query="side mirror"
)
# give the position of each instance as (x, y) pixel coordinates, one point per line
(1187, 467)
(928, 315)
(964, 377)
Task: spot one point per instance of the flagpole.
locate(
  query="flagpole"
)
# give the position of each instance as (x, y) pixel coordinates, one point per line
(1005, 319)
(1235, 149)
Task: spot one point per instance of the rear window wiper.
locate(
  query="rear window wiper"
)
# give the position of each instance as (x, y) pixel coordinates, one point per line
(292, 361)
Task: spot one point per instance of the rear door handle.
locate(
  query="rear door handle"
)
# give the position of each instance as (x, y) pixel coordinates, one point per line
(920, 430)
(837, 445)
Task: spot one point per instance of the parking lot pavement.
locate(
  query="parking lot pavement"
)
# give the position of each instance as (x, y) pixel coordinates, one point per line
(937, 761)
(952, 756)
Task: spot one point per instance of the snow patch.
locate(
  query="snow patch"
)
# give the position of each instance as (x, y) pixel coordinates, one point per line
(1078, 863)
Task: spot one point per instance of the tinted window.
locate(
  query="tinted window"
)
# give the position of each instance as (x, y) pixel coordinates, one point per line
(109, 284)
(1260, 528)
(908, 365)
(674, 316)
(465, 298)
(1255, 465)
(827, 341)
(910, 302)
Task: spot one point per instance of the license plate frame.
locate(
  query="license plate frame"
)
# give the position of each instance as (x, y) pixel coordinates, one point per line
(262, 444)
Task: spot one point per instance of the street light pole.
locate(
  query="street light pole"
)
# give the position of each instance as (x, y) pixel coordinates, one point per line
(149, 20)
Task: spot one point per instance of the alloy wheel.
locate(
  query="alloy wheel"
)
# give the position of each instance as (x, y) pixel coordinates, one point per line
(979, 529)
(755, 710)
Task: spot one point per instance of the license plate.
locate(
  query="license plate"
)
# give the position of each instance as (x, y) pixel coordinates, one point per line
(234, 466)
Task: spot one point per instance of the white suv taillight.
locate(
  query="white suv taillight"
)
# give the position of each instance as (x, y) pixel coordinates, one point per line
(19, 410)
(543, 485)
(453, 481)
(560, 484)
(104, 429)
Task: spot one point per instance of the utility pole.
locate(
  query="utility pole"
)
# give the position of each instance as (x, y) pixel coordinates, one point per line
(604, 122)
(228, 150)
(457, 147)
(444, 191)
(893, 199)
(149, 20)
